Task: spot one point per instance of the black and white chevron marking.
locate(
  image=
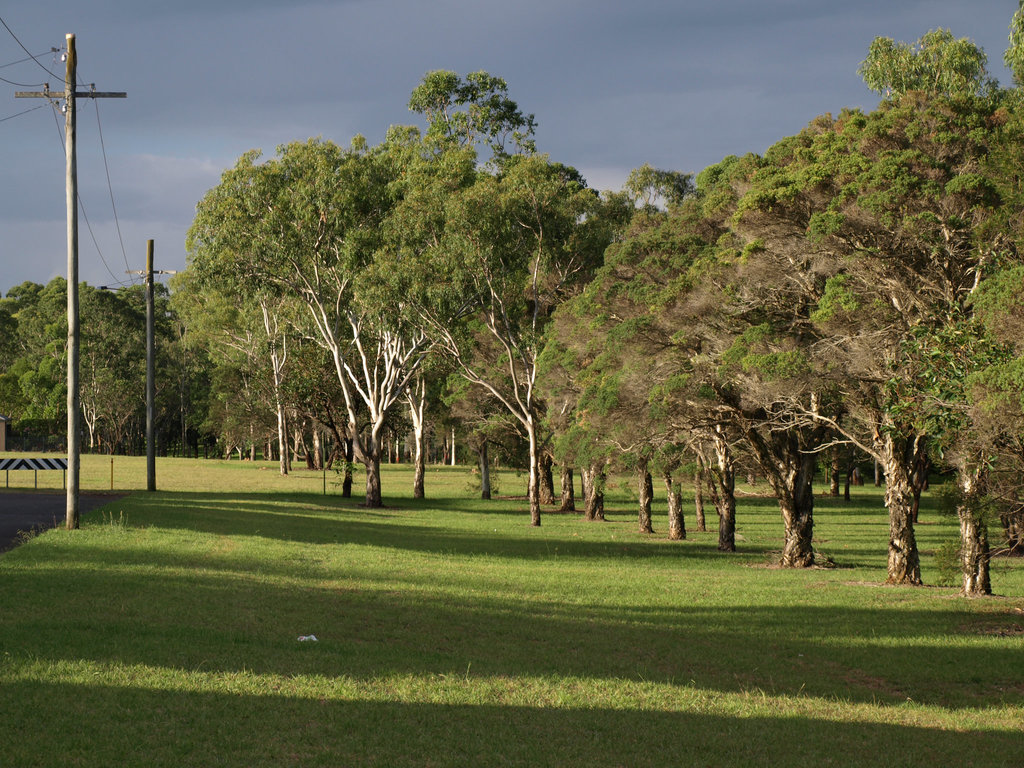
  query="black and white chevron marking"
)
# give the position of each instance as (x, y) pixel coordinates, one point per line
(33, 464)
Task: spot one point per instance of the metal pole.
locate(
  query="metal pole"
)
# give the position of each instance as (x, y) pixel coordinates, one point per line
(70, 126)
(150, 374)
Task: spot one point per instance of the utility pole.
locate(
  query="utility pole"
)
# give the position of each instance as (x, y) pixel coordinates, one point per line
(150, 366)
(70, 127)
(150, 374)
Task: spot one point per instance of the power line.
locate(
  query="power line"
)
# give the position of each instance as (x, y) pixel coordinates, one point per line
(19, 114)
(110, 187)
(26, 50)
(21, 85)
(81, 207)
(30, 58)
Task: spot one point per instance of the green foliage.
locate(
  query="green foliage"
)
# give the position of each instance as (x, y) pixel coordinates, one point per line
(823, 224)
(947, 563)
(996, 304)
(470, 111)
(937, 64)
(1014, 55)
(838, 302)
(646, 185)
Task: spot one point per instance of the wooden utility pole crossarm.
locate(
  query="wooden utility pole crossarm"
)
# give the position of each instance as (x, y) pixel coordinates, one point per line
(48, 94)
(70, 95)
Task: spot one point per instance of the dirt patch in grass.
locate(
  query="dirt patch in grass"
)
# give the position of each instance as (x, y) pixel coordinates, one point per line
(1009, 624)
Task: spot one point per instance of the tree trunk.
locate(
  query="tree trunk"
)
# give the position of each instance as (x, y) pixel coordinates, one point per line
(346, 484)
(796, 502)
(420, 471)
(594, 502)
(568, 500)
(723, 493)
(282, 440)
(373, 495)
(919, 480)
(485, 472)
(676, 523)
(898, 457)
(1013, 529)
(547, 480)
(833, 487)
(453, 458)
(698, 498)
(974, 550)
(974, 554)
(533, 490)
(416, 399)
(646, 492)
(318, 456)
(798, 518)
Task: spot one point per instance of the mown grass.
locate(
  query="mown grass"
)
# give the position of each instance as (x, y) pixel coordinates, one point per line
(164, 632)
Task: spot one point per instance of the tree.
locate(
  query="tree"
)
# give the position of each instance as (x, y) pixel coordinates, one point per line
(937, 64)
(472, 111)
(513, 246)
(307, 223)
(900, 218)
(244, 332)
(1014, 55)
(113, 357)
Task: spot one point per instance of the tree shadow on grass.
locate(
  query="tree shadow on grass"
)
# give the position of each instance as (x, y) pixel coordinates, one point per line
(97, 726)
(372, 623)
(310, 520)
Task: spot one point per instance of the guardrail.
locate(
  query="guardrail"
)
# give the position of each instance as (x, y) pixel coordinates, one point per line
(34, 464)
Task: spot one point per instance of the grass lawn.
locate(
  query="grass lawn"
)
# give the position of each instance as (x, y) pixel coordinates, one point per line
(450, 632)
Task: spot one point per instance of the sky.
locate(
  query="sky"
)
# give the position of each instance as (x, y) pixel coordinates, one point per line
(679, 84)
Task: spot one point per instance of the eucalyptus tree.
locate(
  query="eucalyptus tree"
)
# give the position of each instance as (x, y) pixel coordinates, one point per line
(307, 224)
(513, 246)
(512, 238)
(243, 328)
(35, 384)
(472, 112)
(1014, 54)
(112, 364)
(936, 64)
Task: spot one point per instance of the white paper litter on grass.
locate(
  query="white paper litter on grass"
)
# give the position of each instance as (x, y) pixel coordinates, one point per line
(307, 638)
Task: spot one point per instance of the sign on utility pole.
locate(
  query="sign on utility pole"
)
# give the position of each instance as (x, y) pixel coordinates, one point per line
(70, 95)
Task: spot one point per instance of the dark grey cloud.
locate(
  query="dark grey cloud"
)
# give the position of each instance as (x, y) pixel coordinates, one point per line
(613, 85)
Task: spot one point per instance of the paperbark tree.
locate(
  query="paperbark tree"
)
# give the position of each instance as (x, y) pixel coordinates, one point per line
(899, 217)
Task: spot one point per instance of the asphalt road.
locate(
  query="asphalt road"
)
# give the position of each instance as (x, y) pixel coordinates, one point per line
(21, 511)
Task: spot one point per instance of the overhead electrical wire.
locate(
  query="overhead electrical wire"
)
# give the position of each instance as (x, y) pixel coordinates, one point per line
(103, 148)
(85, 216)
(26, 50)
(19, 114)
(110, 187)
(28, 58)
(21, 85)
